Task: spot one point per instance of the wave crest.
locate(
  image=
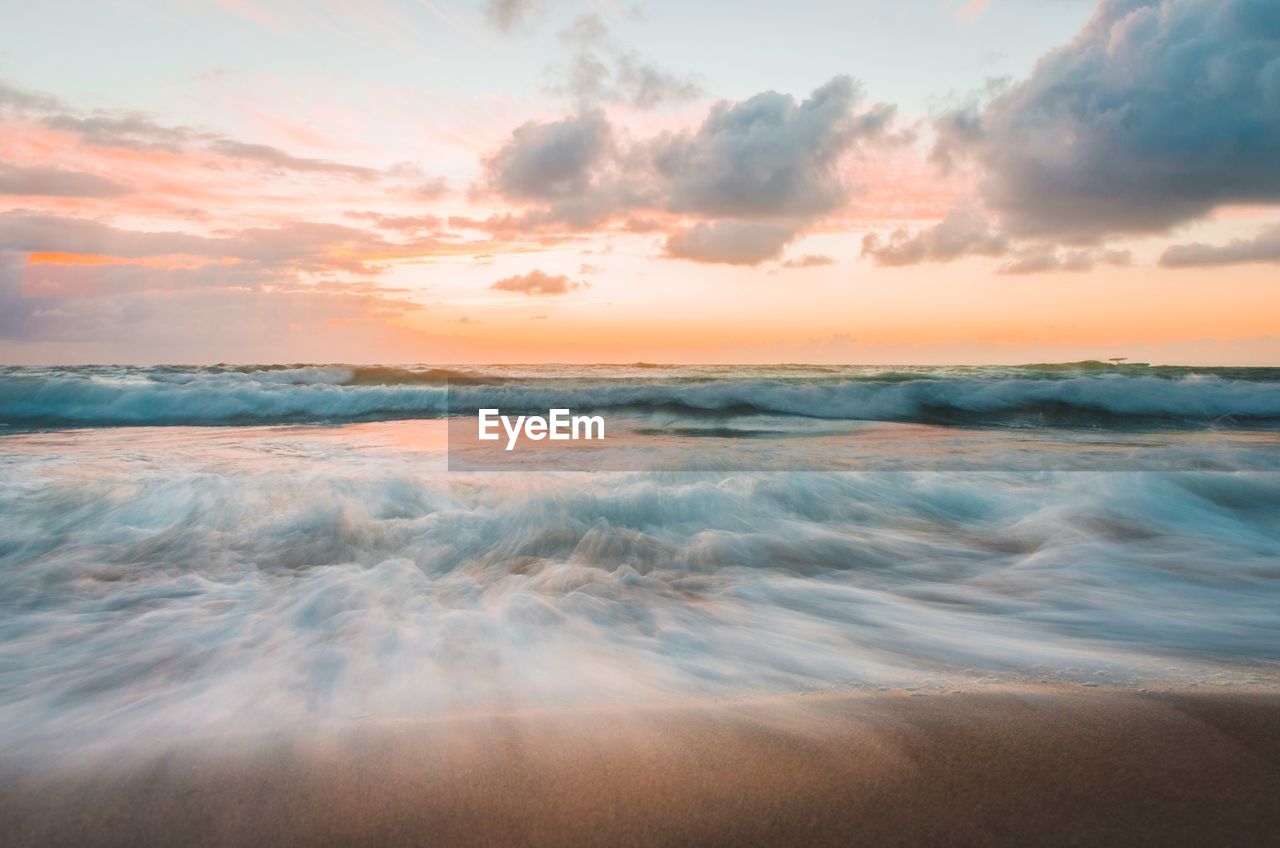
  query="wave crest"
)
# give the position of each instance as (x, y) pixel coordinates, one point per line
(225, 395)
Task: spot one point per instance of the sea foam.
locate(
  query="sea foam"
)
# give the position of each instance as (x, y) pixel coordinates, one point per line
(161, 583)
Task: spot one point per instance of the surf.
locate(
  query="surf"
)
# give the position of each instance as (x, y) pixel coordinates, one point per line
(1078, 395)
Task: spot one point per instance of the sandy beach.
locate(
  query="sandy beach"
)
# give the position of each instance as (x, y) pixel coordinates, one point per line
(1068, 766)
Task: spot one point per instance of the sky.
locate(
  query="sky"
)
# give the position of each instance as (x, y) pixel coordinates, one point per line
(919, 181)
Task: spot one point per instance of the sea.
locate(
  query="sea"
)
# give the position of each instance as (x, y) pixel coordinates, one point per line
(221, 550)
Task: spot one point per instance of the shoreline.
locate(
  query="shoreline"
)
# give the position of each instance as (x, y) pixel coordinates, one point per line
(1017, 766)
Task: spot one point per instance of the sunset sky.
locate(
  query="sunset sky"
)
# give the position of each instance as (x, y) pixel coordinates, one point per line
(588, 180)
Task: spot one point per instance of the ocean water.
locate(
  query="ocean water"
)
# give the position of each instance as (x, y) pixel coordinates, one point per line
(251, 549)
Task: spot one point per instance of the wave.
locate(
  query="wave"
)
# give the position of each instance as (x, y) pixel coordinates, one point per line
(206, 584)
(1031, 397)
(1082, 401)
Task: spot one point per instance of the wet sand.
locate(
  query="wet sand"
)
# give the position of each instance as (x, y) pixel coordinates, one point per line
(1014, 767)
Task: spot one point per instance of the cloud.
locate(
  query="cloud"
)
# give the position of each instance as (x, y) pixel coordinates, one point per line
(600, 72)
(1154, 115)
(586, 31)
(279, 159)
(550, 161)
(400, 223)
(645, 85)
(51, 301)
(138, 131)
(22, 316)
(430, 188)
(571, 170)
(34, 233)
(1264, 247)
(731, 242)
(625, 78)
(13, 96)
(536, 283)
(771, 159)
(56, 182)
(769, 155)
(1038, 260)
(507, 15)
(169, 321)
(132, 131)
(809, 260)
(296, 246)
(194, 280)
(420, 185)
(963, 232)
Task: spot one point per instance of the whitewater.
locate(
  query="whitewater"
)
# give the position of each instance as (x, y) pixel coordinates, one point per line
(1081, 394)
(224, 549)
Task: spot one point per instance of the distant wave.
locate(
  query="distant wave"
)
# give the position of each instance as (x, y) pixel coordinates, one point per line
(106, 397)
(1034, 396)
(1081, 401)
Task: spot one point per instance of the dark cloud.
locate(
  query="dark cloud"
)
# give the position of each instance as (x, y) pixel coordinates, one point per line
(507, 15)
(56, 182)
(732, 242)
(536, 283)
(1154, 115)
(963, 232)
(1264, 247)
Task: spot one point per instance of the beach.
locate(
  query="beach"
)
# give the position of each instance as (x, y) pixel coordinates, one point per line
(1022, 766)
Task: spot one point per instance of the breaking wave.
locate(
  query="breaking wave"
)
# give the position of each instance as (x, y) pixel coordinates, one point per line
(160, 583)
(1078, 395)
